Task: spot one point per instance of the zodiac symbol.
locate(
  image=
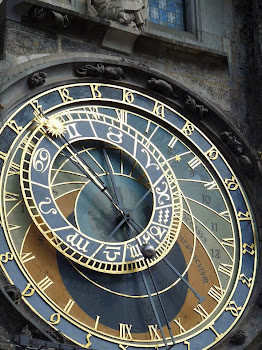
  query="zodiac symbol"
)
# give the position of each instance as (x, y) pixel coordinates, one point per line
(162, 193)
(148, 164)
(51, 210)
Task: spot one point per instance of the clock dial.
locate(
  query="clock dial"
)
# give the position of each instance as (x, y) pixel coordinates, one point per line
(122, 224)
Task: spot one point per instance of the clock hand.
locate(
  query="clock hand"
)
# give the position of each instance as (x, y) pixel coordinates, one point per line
(200, 299)
(151, 299)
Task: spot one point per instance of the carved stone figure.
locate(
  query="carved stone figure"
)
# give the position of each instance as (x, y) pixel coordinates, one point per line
(132, 13)
(193, 106)
(109, 72)
(37, 79)
(14, 293)
(160, 86)
(232, 142)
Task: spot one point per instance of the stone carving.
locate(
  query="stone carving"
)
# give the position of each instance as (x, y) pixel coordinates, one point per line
(37, 79)
(232, 142)
(109, 72)
(238, 338)
(236, 147)
(193, 106)
(49, 17)
(161, 86)
(14, 293)
(131, 13)
(26, 331)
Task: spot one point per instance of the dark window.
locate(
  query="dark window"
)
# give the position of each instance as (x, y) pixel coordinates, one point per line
(168, 13)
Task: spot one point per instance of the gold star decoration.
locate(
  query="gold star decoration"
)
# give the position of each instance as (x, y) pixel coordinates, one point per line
(177, 158)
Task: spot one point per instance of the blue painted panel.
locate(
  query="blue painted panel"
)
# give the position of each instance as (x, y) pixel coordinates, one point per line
(169, 13)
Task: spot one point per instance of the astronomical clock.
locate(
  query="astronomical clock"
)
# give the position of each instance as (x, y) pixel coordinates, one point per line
(123, 223)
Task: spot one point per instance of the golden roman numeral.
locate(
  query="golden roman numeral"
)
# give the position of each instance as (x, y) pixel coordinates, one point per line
(125, 331)
(181, 328)
(228, 242)
(14, 169)
(25, 257)
(69, 306)
(94, 111)
(194, 162)
(211, 185)
(216, 293)
(11, 197)
(201, 311)
(3, 155)
(153, 332)
(172, 142)
(225, 269)
(121, 115)
(13, 227)
(45, 283)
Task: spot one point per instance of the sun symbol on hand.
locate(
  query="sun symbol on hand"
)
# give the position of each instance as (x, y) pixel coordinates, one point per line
(55, 126)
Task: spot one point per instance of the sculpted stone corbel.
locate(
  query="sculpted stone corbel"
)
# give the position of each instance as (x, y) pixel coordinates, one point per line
(132, 13)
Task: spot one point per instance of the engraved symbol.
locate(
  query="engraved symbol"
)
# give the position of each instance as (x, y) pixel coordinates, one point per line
(41, 160)
(4, 258)
(125, 331)
(95, 91)
(153, 332)
(231, 184)
(156, 231)
(134, 250)
(55, 318)
(47, 202)
(233, 308)
(76, 241)
(114, 137)
(159, 110)
(112, 253)
(162, 193)
(249, 248)
(188, 129)
(148, 164)
(72, 132)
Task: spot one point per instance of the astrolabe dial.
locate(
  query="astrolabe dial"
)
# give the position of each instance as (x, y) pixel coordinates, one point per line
(97, 169)
(96, 235)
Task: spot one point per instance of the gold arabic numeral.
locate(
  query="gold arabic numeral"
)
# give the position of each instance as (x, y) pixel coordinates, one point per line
(14, 169)
(201, 311)
(172, 142)
(121, 116)
(28, 291)
(153, 332)
(233, 308)
(181, 328)
(249, 248)
(45, 283)
(88, 344)
(229, 242)
(65, 95)
(212, 153)
(4, 258)
(38, 112)
(95, 91)
(125, 331)
(212, 328)
(97, 322)
(245, 280)
(187, 344)
(55, 319)
(26, 257)
(216, 293)
(11, 197)
(231, 184)
(226, 269)
(244, 216)
(159, 109)
(128, 96)
(194, 162)
(13, 125)
(123, 347)
(211, 185)
(188, 129)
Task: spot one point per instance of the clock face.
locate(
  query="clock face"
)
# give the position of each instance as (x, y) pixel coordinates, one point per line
(121, 223)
